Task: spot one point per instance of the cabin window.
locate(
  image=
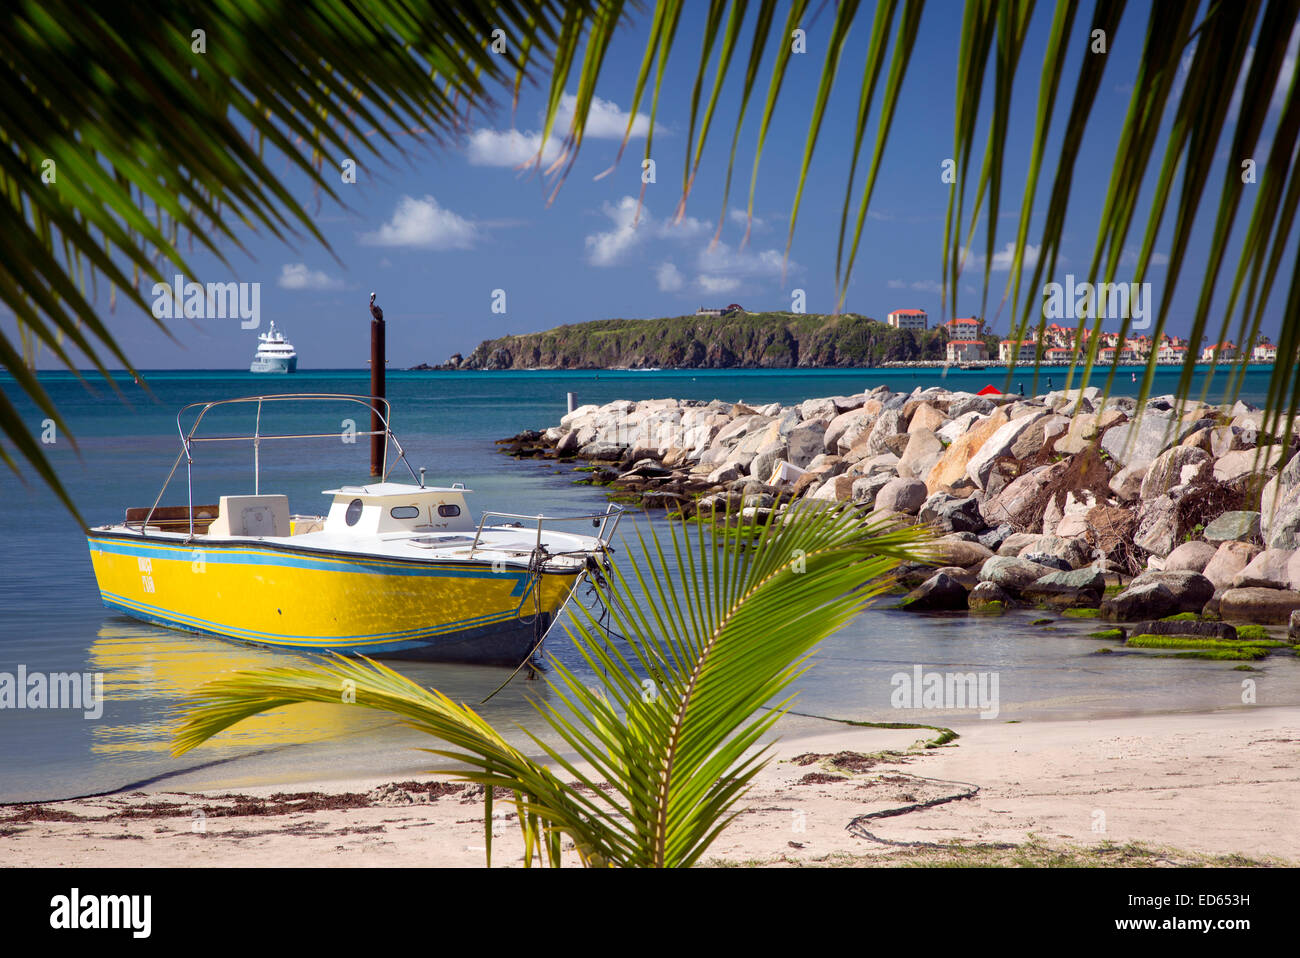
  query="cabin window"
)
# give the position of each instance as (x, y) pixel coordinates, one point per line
(404, 512)
(353, 515)
(449, 512)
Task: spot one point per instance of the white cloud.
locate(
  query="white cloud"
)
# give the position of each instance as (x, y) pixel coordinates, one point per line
(920, 285)
(605, 249)
(718, 284)
(1130, 258)
(423, 223)
(605, 121)
(298, 276)
(608, 248)
(1004, 257)
(508, 147)
(741, 218)
(669, 277)
(722, 259)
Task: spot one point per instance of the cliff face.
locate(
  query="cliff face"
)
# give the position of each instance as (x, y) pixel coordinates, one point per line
(744, 340)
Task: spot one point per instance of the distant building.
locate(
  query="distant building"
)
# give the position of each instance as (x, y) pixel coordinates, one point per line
(719, 310)
(964, 328)
(1219, 351)
(1265, 352)
(1059, 354)
(908, 319)
(1170, 353)
(967, 350)
(1024, 350)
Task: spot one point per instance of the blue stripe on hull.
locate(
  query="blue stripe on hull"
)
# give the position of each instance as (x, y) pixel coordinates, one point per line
(498, 643)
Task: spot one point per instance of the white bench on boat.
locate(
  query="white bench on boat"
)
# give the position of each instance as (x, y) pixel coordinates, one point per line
(251, 516)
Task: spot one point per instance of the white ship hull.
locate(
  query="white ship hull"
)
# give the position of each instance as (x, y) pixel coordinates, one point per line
(274, 364)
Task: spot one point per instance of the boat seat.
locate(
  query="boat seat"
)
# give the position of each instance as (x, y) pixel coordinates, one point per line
(172, 518)
(251, 516)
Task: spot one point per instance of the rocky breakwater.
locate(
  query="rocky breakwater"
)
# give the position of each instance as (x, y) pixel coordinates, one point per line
(1066, 501)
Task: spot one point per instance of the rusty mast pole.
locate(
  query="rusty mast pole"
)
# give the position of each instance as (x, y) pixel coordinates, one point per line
(377, 442)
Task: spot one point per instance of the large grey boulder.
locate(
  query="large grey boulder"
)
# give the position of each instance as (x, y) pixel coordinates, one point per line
(887, 425)
(1080, 587)
(960, 515)
(806, 442)
(1247, 462)
(1175, 467)
(1280, 504)
(1073, 552)
(1151, 600)
(955, 552)
(1190, 557)
(1264, 606)
(846, 426)
(1012, 574)
(901, 495)
(1240, 526)
(999, 445)
(865, 490)
(1268, 570)
(984, 595)
(1210, 630)
(994, 537)
(1190, 590)
(920, 455)
(939, 593)
(1158, 529)
(1138, 442)
(1013, 544)
(1230, 558)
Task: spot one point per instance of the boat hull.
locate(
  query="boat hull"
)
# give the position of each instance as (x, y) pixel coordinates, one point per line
(273, 364)
(316, 601)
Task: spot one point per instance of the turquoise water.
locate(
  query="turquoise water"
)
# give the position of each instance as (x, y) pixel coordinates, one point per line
(53, 620)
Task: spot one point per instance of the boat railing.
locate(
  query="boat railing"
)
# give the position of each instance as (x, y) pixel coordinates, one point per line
(189, 437)
(606, 522)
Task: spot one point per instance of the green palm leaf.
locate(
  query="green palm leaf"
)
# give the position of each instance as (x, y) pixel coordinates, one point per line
(721, 629)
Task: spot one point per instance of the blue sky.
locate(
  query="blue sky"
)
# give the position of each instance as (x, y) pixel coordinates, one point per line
(437, 230)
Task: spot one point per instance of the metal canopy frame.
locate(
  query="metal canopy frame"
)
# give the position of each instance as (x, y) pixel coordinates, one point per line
(189, 437)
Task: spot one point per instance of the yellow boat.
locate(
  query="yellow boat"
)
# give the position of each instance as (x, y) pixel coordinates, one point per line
(394, 570)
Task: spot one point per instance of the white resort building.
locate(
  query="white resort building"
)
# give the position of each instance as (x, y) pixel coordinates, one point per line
(907, 319)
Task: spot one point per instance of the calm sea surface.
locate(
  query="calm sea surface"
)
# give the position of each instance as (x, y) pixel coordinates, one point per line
(53, 621)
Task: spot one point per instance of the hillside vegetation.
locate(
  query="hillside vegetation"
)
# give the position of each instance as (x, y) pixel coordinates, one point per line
(741, 340)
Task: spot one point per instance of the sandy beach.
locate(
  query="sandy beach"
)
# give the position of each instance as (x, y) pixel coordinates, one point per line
(1172, 789)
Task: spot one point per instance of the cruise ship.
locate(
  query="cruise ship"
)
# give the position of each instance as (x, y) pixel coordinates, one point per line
(275, 354)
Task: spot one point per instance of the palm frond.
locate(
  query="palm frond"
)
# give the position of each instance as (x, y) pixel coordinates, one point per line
(721, 627)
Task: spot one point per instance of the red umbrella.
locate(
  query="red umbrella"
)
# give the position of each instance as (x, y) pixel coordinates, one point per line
(989, 391)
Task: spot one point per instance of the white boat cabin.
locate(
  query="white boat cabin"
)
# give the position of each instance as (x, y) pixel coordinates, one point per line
(392, 507)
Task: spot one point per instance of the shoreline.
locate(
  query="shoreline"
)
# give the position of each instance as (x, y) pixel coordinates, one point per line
(1159, 787)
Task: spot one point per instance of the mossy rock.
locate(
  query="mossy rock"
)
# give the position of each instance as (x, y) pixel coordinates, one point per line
(1081, 613)
(1115, 634)
(1200, 642)
(1183, 617)
(1252, 632)
(996, 607)
(1042, 622)
(1220, 655)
